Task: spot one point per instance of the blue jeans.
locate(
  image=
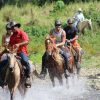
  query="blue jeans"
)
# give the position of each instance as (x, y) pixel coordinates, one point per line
(25, 62)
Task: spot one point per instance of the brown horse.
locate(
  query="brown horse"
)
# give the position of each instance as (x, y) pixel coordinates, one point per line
(70, 52)
(55, 62)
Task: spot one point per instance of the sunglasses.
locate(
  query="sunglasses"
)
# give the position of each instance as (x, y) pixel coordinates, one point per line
(58, 25)
(70, 23)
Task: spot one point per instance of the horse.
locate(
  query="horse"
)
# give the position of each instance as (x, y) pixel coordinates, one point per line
(74, 65)
(11, 73)
(83, 25)
(71, 54)
(55, 62)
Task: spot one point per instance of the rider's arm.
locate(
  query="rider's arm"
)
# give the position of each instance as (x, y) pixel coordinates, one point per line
(75, 16)
(83, 17)
(75, 38)
(24, 40)
(63, 40)
(22, 43)
(76, 35)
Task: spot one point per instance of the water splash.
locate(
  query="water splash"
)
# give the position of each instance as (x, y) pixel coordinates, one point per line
(43, 90)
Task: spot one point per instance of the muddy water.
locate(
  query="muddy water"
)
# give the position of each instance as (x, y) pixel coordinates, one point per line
(75, 89)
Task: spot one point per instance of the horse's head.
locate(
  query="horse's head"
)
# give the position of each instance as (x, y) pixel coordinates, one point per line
(89, 24)
(50, 45)
(11, 60)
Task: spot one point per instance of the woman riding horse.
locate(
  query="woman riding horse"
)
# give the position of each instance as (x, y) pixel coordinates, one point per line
(60, 36)
(5, 42)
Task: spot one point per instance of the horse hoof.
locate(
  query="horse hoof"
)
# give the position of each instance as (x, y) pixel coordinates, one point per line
(41, 76)
(66, 76)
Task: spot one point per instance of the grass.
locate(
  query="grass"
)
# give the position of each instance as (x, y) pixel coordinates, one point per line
(37, 22)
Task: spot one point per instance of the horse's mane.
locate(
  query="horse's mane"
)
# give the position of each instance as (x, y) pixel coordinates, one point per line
(86, 20)
(54, 50)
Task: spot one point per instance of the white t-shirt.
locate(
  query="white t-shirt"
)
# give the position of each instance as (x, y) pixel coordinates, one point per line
(79, 17)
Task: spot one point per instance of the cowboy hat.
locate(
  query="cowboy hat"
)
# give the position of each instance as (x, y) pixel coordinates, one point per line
(14, 24)
(80, 9)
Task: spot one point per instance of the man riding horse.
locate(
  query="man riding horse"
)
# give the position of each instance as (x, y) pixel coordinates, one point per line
(71, 37)
(19, 40)
(78, 17)
(60, 36)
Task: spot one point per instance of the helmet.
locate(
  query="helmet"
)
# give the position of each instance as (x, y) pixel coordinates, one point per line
(57, 22)
(79, 10)
(69, 21)
(8, 27)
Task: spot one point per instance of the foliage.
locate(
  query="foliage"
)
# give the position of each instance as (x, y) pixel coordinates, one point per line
(37, 22)
(20, 3)
(59, 5)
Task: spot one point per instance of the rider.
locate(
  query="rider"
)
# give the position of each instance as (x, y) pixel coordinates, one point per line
(71, 35)
(5, 40)
(6, 37)
(20, 40)
(78, 17)
(60, 36)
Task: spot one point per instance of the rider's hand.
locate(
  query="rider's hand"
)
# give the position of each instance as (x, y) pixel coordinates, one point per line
(71, 40)
(57, 45)
(68, 41)
(16, 46)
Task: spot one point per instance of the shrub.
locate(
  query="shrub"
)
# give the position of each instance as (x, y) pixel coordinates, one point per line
(36, 30)
(59, 5)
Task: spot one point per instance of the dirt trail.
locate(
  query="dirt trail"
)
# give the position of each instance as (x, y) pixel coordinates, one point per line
(93, 76)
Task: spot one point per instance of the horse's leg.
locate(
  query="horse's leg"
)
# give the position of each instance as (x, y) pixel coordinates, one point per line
(11, 95)
(52, 80)
(60, 79)
(83, 31)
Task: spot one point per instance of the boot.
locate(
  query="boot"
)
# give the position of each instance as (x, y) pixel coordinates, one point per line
(1, 82)
(28, 82)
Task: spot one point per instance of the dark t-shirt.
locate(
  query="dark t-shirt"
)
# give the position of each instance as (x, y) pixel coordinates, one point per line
(71, 32)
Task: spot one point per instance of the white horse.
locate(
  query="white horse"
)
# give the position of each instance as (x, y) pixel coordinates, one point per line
(84, 24)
